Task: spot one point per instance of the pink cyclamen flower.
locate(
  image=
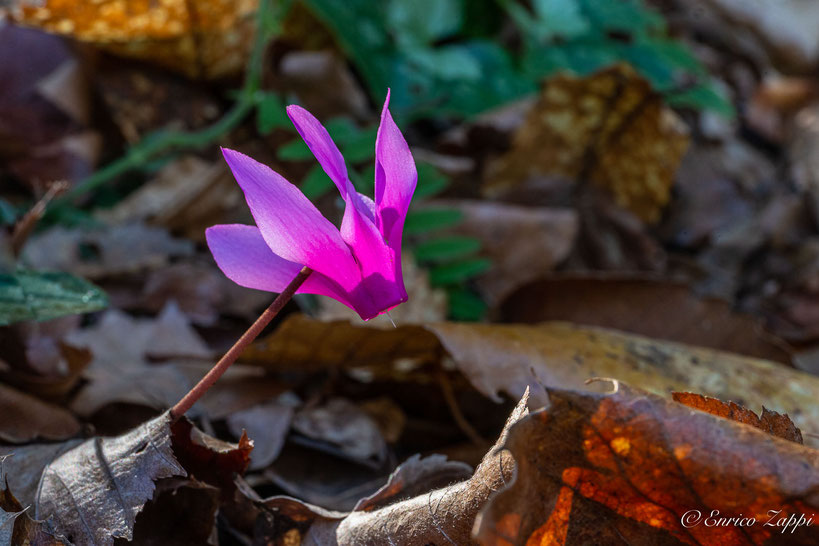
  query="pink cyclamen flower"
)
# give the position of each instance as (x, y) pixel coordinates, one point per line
(358, 265)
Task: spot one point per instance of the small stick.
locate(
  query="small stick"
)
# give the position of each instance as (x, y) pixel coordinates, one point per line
(233, 353)
(25, 226)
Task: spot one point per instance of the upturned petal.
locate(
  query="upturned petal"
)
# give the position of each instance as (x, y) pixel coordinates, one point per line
(395, 180)
(290, 224)
(244, 257)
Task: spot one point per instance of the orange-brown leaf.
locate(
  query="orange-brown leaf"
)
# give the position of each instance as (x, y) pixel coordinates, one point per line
(203, 39)
(627, 467)
(771, 422)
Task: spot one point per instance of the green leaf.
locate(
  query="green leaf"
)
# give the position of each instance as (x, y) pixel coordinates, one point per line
(446, 249)
(430, 181)
(358, 147)
(558, 18)
(32, 295)
(270, 113)
(465, 305)
(424, 21)
(424, 220)
(458, 272)
(702, 97)
(316, 183)
(295, 150)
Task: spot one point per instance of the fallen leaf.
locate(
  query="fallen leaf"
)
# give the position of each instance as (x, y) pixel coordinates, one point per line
(639, 304)
(93, 490)
(523, 243)
(186, 196)
(210, 459)
(120, 370)
(785, 29)
(44, 134)
(770, 421)
(104, 252)
(632, 467)
(405, 510)
(24, 418)
(609, 128)
(345, 427)
(206, 39)
(509, 358)
(268, 424)
(16, 525)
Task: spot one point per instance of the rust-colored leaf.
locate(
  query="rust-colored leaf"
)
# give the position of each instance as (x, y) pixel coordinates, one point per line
(770, 421)
(633, 468)
(609, 128)
(202, 39)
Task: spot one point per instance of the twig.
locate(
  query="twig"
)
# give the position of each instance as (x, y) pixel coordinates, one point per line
(233, 353)
(26, 225)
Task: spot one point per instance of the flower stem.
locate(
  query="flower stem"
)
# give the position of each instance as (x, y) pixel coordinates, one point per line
(233, 353)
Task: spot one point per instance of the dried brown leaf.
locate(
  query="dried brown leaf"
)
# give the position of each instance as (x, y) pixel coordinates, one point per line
(522, 242)
(631, 467)
(428, 516)
(640, 304)
(24, 418)
(509, 357)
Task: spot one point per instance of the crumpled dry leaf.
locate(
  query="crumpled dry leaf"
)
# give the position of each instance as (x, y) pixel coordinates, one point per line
(388, 517)
(201, 39)
(631, 467)
(509, 358)
(99, 253)
(522, 242)
(24, 418)
(639, 304)
(771, 422)
(609, 128)
(120, 370)
(93, 490)
(210, 459)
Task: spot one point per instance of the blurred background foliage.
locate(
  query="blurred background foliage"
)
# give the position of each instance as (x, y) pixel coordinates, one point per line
(445, 61)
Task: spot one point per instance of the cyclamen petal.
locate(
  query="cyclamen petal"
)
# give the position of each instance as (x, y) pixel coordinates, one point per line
(291, 225)
(243, 255)
(360, 265)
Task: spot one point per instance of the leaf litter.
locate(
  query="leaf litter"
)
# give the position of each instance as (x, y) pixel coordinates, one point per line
(598, 214)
